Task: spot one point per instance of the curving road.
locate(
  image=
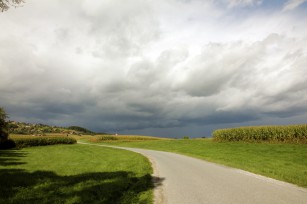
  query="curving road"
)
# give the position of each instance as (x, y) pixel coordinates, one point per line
(187, 180)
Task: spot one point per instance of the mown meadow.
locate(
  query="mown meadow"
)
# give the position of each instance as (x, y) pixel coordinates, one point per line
(72, 173)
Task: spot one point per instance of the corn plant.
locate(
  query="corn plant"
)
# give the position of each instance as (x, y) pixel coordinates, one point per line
(288, 133)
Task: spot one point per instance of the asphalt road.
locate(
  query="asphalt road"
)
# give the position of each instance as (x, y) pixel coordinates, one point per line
(186, 180)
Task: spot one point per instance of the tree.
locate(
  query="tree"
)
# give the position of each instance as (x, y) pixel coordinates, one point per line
(3, 126)
(6, 4)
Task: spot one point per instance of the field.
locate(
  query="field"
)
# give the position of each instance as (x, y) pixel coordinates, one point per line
(282, 133)
(74, 174)
(286, 162)
(19, 136)
(22, 141)
(91, 174)
(126, 138)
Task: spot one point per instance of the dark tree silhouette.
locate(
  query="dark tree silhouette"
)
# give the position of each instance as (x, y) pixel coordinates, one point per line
(3, 126)
(6, 4)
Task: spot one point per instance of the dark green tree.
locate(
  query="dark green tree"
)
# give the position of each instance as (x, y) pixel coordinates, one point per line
(3, 126)
(6, 4)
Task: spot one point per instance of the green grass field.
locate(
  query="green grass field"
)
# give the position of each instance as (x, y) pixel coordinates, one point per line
(74, 174)
(286, 162)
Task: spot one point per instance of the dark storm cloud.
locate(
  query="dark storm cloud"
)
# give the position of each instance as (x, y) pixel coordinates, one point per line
(224, 117)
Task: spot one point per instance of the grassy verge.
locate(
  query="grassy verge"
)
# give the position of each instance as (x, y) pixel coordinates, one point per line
(286, 162)
(74, 174)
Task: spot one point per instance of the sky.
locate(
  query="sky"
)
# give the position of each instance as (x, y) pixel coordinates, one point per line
(168, 68)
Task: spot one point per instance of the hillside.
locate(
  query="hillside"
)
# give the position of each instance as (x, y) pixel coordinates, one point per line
(41, 129)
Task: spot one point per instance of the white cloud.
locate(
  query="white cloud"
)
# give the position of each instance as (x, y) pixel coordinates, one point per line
(256, 75)
(243, 3)
(292, 4)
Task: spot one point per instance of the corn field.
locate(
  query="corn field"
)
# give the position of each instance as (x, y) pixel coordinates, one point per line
(287, 134)
(105, 138)
(30, 141)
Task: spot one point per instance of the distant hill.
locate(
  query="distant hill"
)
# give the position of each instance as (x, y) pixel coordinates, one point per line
(41, 129)
(80, 129)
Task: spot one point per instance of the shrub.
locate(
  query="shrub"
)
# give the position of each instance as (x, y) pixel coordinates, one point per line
(290, 134)
(186, 137)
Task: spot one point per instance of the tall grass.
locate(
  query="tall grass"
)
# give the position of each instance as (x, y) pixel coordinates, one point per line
(287, 134)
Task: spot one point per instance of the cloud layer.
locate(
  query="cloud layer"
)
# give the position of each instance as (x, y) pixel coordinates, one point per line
(292, 4)
(164, 67)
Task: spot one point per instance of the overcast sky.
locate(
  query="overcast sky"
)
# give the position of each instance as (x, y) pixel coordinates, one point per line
(155, 67)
